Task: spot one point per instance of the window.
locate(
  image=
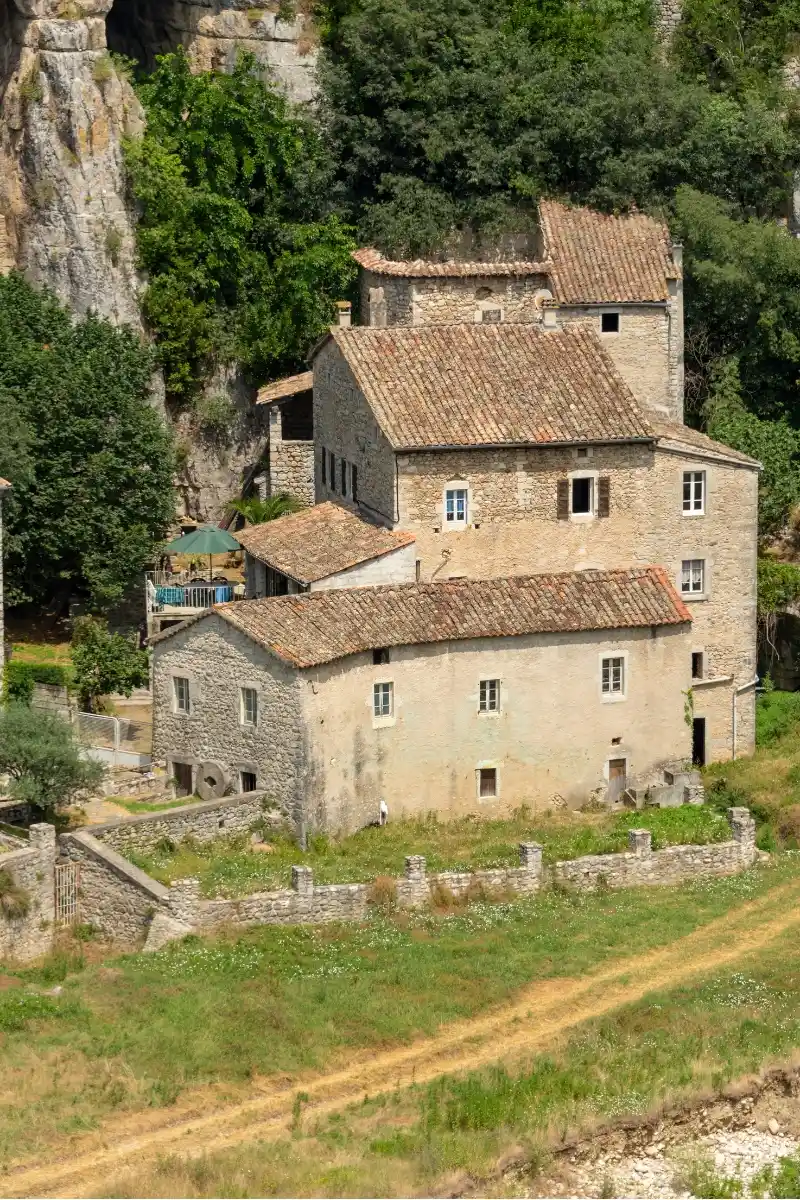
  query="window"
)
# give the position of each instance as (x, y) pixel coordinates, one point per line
(489, 700)
(324, 464)
(609, 322)
(249, 706)
(380, 657)
(181, 694)
(487, 783)
(694, 491)
(455, 506)
(247, 781)
(697, 665)
(491, 316)
(354, 483)
(383, 700)
(693, 577)
(613, 676)
(332, 469)
(582, 497)
(582, 452)
(344, 477)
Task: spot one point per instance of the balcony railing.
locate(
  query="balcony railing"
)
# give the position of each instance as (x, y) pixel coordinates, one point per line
(168, 593)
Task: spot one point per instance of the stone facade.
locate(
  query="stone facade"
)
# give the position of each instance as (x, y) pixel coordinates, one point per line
(218, 661)
(387, 300)
(291, 463)
(32, 867)
(183, 911)
(320, 754)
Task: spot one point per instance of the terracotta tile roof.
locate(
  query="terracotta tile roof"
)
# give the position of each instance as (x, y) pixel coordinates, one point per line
(420, 268)
(599, 258)
(285, 387)
(479, 385)
(692, 439)
(319, 541)
(320, 627)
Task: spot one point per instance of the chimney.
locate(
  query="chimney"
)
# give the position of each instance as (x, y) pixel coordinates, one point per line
(677, 254)
(549, 316)
(345, 314)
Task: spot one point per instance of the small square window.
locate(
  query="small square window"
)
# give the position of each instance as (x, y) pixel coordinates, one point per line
(694, 491)
(383, 700)
(249, 709)
(582, 495)
(491, 316)
(489, 699)
(455, 509)
(487, 783)
(613, 676)
(693, 577)
(582, 452)
(181, 694)
(380, 657)
(697, 665)
(247, 781)
(609, 322)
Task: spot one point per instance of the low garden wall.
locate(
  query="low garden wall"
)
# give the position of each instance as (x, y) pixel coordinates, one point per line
(28, 932)
(183, 910)
(203, 821)
(115, 897)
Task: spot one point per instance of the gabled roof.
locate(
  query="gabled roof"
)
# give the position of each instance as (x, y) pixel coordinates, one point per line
(490, 385)
(599, 258)
(420, 268)
(285, 387)
(321, 627)
(317, 542)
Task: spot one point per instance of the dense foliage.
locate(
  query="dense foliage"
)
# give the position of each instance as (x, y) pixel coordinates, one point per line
(105, 662)
(443, 114)
(243, 257)
(89, 459)
(40, 755)
(20, 678)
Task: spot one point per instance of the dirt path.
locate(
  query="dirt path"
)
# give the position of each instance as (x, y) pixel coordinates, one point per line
(534, 1021)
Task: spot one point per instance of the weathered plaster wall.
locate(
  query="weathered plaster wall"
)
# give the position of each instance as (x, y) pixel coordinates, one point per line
(397, 567)
(32, 867)
(512, 496)
(219, 661)
(550, 742)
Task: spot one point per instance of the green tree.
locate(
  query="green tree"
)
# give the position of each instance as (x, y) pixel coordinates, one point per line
(90, 459)
(257, 511)
(105, 662)
(244, 258)
(42, 759)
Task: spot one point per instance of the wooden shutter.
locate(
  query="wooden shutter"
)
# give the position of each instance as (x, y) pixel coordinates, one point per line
(603, 496)
(562, 500)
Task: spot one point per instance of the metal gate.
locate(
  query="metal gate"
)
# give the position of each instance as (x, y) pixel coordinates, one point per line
(67, 883)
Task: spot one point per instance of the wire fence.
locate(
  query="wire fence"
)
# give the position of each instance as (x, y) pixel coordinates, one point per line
(122, 741)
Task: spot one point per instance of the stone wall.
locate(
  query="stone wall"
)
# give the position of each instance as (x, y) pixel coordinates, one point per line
(184, 911)
(203, 822)
(114, 896)
(32, 868)
(393, 300)
(291, 463)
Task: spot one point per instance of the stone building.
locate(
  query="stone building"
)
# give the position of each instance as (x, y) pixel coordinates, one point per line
(323, 547)
(290, 449)
(461, 696)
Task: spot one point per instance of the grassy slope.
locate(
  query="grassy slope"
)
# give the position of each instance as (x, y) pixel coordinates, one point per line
(134, 1031)
(229, 867)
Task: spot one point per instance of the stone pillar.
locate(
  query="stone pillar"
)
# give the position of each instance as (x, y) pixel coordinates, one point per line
(303, 881)
(743, 831)
(639, 842)
(183, 899)
(416, 868)
(42, 837)
(413, 889)
(530, 857)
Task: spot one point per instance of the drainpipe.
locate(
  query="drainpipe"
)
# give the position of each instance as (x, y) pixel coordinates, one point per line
(745, 687)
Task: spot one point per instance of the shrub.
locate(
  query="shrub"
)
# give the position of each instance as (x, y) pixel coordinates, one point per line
(105, 662)
(777, 713)
(14, 900)
(383, 893)
(39, 753)
(20, 677)
(103, 69)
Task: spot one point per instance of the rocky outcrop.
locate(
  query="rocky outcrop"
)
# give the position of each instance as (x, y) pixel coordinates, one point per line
(214, 31)
(64, 113)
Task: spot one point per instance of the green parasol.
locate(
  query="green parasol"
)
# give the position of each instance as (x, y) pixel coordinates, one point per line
(206, 539)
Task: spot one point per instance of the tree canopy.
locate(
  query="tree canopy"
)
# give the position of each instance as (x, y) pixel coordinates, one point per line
(40, 755)
(245, 258)
(90, 460)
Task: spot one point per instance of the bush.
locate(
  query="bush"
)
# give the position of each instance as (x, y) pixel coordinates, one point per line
(105, 662)
(383, 893)
(39, 753)
(20, 677)
(777, 713)
(14, 900)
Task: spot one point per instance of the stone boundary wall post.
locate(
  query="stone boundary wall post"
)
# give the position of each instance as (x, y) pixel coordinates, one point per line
(183, 899)
(413, 890)
(743, 831)
(640, 842)
(530, 857)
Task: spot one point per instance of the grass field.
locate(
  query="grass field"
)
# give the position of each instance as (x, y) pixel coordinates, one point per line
(131, 1032)
(231, 867)
(448, 1136)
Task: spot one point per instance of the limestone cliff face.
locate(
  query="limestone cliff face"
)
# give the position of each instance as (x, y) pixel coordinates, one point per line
(64, 112)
